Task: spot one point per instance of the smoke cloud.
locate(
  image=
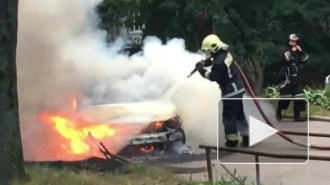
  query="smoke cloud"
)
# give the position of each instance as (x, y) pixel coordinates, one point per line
(62, 54)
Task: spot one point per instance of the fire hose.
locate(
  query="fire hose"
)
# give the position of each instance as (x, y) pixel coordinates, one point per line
(281, 134)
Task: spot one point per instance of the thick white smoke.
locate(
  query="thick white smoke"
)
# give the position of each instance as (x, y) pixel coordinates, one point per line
(63, 54)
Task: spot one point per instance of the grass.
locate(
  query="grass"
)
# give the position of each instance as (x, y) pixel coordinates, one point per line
(137, 175)
(313, 110)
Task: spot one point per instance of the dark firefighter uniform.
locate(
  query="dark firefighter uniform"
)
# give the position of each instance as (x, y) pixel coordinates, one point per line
(135, 46)
(228, 77)
(291, 86)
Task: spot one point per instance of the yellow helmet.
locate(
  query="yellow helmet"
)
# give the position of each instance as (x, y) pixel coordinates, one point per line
(212, 43)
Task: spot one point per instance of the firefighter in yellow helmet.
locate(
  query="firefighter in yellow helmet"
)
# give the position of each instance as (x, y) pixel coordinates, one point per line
(291, 62)
(227, 75)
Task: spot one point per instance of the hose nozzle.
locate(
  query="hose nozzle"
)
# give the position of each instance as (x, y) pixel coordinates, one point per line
(196, 69)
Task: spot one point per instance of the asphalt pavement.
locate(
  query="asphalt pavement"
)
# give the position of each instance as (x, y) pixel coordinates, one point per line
(306, 173)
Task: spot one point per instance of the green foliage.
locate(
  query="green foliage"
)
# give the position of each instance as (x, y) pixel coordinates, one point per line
(315, 97)
(165, 19)
(256, 30)
(51, 176)
(318, 97)
(137, 175)
(246, 25)
(112, 12)
(272, 92)
(173, 19)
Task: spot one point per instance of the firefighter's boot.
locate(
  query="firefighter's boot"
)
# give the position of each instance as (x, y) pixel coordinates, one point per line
(246, 141)
(297, 117)
(298, 107)
(231, 143)
(279, 114)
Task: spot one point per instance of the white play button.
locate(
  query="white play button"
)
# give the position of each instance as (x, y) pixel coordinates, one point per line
(259, 131)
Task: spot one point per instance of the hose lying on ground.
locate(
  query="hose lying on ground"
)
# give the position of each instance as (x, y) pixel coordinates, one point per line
(281, 134)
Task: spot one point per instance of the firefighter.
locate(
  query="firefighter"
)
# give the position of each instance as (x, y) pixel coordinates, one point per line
(135, 46)
(292, 60)
(226, 74)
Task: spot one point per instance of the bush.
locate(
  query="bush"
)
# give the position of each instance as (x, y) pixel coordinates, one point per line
(272, 92)
(316, 97)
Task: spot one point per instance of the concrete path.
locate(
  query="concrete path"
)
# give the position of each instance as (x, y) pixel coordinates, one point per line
(314, 172)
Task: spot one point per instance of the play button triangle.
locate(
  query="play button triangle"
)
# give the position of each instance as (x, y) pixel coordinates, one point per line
(259, 131)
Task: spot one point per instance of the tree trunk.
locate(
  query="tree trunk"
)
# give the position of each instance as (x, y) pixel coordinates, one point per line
(259, 76)
(255, 75)
(11, 155)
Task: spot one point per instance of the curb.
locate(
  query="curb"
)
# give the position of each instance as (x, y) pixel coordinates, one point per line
(313, 118)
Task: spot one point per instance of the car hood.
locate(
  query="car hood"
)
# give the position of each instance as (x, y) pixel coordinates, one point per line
(131, 112)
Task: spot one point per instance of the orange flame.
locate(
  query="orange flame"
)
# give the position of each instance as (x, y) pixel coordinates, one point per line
(78, 134)
(158, 125)
(147, 148)
(78, 138)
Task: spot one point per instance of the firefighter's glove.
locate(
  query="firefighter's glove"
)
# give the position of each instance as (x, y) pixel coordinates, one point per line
(297, 48)
(199, 65)
(200, 68)
(304, 56)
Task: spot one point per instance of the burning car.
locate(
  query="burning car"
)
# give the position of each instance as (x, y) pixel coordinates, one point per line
(158, 125)
(129, 129)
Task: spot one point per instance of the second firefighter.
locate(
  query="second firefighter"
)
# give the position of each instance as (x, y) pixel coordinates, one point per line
(291, 63)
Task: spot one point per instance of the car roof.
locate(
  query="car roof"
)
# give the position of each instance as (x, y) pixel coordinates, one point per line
(131, 112)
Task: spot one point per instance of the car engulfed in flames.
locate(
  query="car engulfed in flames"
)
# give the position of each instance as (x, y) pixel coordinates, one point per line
(158, 122)
(159, 136)
(128, 129)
